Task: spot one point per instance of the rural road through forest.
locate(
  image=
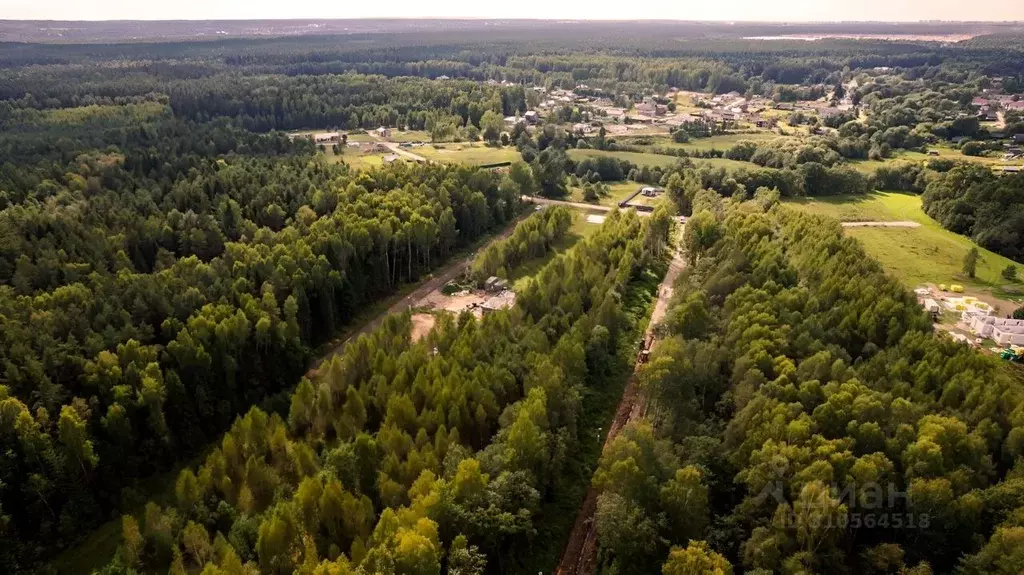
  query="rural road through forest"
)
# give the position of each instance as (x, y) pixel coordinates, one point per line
(580, 554)
(449, 272)
(577, 205)
(898, 224)
(446, 274)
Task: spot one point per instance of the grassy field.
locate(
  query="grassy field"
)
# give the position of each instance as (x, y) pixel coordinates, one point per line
(877, 206)
(659, 160)
(928, 254)
(358, 160)
(648, 201)
(580, 229)
(946, 152)
(409, 136)
(725, 163)
(618, 191)
(473, 154)
(355, 158)
(364, 137)
(722, 142)
(638, 158)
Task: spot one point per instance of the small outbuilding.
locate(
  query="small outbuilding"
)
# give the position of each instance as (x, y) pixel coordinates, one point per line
(504, 300)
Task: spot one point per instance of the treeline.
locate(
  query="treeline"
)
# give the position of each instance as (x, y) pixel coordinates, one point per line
(402, 457)
(986, 207)
(262, 103)
(126, 349)
(806, 418)
(532, 238)
(614, 57)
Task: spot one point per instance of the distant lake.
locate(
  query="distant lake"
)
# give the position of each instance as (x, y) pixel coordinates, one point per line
(908, 37)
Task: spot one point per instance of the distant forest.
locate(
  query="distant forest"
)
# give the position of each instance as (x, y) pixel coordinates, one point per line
(415, 30)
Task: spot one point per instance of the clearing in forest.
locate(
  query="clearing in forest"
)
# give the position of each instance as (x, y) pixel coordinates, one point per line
(652, 160)
(582, 227)
(916, 256)
(422, 323)
(473, 154)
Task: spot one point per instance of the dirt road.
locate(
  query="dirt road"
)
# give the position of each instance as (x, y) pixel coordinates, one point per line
(441, 277)
(396, 148)
(897, 224)
(577, 205)
(580, 554)
(403, 152)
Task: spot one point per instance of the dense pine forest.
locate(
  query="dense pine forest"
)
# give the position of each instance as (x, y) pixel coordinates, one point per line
(174, 257)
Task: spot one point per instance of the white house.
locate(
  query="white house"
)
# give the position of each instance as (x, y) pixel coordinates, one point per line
(1003, 331)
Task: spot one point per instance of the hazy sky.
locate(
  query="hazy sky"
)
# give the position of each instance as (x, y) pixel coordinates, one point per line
(774, 10)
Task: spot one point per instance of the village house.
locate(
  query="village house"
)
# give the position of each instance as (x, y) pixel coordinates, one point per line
(648, 107)
(582, 128)
(531, 116)
(680, 120)
(383, 132)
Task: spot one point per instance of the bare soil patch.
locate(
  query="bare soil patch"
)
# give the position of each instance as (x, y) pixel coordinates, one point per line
(422, 323)
(455, 303)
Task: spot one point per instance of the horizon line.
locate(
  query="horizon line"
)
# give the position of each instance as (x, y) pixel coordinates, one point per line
(516, 19)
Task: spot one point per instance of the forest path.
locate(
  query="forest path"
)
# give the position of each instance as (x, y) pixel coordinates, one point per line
(444, 275)
(580, 554)
(577, 205)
